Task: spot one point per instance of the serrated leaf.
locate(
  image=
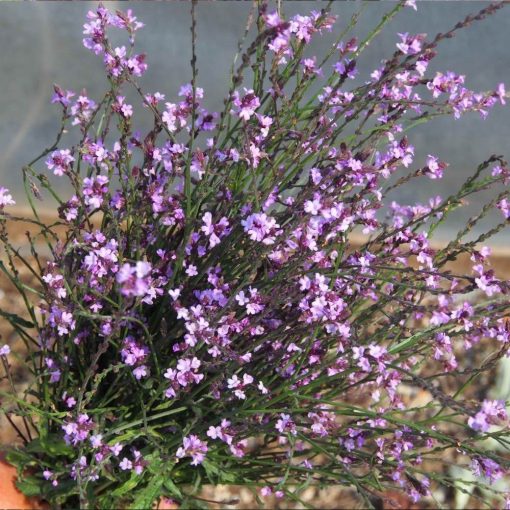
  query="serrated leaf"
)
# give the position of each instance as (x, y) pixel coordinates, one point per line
(55, 445)
(30, 486)
(172, 488)
(149, 494)
(127, 486)
(227, 477)
(211, 470)
(18, 458)
(51, 444)
(126, 437)
(154, 463)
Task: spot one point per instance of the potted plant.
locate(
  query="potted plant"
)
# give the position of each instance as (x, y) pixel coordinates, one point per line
(200, 315)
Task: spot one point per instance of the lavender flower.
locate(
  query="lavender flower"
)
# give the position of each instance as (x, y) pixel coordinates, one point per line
(193, 447)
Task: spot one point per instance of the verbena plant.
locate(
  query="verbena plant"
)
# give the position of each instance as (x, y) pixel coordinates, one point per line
(201, 315)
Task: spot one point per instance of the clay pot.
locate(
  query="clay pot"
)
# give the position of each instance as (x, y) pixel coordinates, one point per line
(167, 504)
(10, 496)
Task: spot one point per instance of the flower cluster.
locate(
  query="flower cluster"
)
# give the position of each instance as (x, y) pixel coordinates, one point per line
(202, 312)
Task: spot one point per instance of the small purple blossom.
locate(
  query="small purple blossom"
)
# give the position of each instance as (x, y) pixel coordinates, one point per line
(261, 228)
(94, 190)
(247, 104)
(78, 431)
(193, 447)
(134, 280)
(492, 411)
(60, 161)
(185, 373)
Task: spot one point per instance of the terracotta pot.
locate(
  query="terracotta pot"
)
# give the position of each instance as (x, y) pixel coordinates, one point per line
(10, 496)
(167, 504)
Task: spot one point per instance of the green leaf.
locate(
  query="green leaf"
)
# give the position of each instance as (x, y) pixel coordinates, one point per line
(30, 486)
(172, 488)
(55, 445)
(127, 486)
(228, 477)
(18, 458)
(155, 463)
(126, 437)
(211, 470)
(51, 444)
(16, 319)
(35, 446)
(149, 494)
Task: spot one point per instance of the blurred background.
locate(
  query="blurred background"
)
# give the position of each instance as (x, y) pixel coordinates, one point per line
(41, 44)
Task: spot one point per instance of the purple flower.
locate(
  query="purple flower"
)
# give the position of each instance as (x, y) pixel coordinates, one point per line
(5, 350)
(492, 412)
(410, 45)
(285, 425)
(62, 96)
(126, 464)
(94, 189)
(501, 93)
(488, 468)
(135, 280)
(238, 385)
(434, 169)
(123, 109)
(246, 105)
(78, 431)
(60, 161)
(185, 373)
(192, 447)
(253, 303)
(504, 206)
(214, 231)
(222, 432)
(82, 110)
(261, 228)
(116, 449)
(61, 319)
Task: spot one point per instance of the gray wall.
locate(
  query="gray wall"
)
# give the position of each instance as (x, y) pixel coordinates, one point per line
(40, 43)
